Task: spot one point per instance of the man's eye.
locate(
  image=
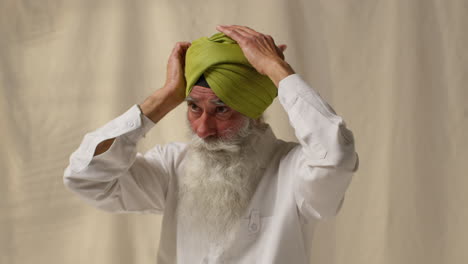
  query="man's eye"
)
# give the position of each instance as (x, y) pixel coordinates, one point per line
(221, 109)
(193, 107)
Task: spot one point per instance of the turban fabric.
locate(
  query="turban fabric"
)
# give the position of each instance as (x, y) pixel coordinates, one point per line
(229, 74)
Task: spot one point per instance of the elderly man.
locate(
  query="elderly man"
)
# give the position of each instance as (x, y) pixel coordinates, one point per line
(235, 193)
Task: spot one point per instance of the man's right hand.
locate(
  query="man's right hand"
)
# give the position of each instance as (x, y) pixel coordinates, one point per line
(163, 100)
(175, 78)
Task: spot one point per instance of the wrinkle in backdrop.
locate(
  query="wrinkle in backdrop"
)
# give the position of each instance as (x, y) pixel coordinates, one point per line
(396, 71)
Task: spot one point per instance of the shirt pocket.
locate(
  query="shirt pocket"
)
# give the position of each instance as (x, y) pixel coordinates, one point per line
(246, 245)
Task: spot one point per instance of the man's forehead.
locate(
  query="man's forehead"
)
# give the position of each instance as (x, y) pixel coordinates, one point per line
(200, 93)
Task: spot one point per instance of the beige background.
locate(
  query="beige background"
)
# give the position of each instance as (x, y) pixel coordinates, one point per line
(395, 70)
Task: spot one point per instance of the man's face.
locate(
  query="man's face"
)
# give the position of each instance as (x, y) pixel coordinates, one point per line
(209, 117)
(221, 169)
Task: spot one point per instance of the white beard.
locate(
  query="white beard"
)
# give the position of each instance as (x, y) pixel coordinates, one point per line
(219, 182)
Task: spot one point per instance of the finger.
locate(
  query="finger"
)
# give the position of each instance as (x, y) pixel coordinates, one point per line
(280, 53)
(181, 47)
(244, 33)
(185, 47)
(282, 47)
(246, 30)
(232, 33)
(185, 44)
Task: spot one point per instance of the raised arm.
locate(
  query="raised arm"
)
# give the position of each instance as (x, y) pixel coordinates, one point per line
(106, 170)
(324, 162)
(162, 101)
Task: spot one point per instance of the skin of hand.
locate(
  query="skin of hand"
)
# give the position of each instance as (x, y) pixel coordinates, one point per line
(175, 80)
(260, 50)
(163, 100)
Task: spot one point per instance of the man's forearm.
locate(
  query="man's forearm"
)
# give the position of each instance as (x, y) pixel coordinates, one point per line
(155, 107)
(103, 146)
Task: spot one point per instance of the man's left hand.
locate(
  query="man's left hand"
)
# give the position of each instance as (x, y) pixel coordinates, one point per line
(260, 50)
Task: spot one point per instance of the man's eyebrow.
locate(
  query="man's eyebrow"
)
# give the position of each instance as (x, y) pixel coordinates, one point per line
(218, 102)
(214, 101)
(190, 99)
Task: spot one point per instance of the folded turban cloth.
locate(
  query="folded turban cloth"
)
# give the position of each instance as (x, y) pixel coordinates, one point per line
(229, 74)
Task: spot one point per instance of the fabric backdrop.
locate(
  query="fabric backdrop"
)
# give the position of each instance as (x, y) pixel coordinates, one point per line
(395, 70)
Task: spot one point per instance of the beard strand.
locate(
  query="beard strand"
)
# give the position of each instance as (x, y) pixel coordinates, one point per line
(221, 176)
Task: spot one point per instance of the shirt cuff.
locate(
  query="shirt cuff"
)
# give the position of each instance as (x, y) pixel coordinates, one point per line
(133, 125)
(146, 123)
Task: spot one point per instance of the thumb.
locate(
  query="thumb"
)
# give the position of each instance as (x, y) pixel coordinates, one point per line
(282, 47)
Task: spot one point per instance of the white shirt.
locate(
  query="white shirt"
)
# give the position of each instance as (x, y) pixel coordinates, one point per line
(302, 184)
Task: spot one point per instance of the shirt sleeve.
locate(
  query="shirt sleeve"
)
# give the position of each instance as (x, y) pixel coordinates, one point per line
(121, 180)
(323, 163)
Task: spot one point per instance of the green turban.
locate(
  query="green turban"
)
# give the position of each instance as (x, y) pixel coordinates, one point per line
(229, 74)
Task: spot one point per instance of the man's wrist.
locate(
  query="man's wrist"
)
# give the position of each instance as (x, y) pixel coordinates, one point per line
(280, 70)
(157, 105)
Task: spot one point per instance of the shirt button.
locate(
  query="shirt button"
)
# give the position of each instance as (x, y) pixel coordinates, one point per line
(130, 124)
(253, 227)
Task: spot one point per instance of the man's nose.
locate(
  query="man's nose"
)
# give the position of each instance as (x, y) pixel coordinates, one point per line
(206, 126)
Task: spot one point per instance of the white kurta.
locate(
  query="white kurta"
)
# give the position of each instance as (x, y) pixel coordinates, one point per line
(302, 183)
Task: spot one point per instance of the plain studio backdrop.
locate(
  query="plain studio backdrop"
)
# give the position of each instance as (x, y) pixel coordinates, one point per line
(395, 70)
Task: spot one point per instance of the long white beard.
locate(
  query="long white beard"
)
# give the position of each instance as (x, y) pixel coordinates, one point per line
(220, 179)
